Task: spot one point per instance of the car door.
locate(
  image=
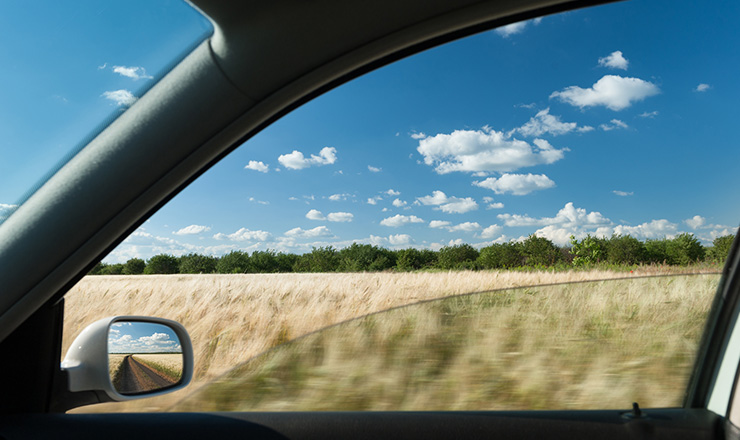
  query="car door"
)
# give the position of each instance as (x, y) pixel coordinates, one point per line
(169, 125)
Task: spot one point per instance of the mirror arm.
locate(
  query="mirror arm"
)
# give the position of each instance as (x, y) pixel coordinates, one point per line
(63, 399)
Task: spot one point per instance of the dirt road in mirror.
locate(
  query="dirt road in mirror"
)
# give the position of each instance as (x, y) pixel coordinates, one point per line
(137, 377)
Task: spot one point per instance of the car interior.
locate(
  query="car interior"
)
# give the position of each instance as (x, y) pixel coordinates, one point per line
(263, 60)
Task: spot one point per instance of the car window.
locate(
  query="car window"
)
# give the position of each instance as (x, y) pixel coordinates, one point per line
(534, 217)
(71, 69)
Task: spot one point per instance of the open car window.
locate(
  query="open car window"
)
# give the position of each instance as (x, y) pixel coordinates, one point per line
(550, 151)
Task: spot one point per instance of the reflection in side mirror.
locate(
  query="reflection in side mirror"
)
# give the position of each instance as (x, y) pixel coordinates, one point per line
(122, 358)
(143, 357)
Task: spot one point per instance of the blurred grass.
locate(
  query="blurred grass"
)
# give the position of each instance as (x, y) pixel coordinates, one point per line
(574, 346)
(233, 318)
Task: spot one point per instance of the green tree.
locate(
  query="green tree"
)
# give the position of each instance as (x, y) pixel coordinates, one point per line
(196, 263)
(590, 250)
(365, 257)
(286, 262)
(112, 269)
(656, 251)
(500, 256)
(233, 262)
(97, 269)
(134, 266)
(321, 259)
(459, 256)
(415, 259)
(720, 248)
(624, 249)
(684, 249)
(539, 251)
(264, 262)
(162, 264)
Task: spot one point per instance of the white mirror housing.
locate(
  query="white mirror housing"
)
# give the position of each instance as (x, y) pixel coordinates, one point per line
(87, 361)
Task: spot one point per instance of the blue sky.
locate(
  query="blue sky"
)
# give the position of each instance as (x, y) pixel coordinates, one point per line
(616, 119)
(142, 337)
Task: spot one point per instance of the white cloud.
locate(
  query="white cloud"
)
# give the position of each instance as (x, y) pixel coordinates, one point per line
(650, 115)
(491, 231)
(339, 197)
(261, 202)
(392, 192)
(612, 91)
(400, 220)
(192, 230)
(706, 231)
(569, 215)
(578, 222)
(465, 227)
(135, 73)
(613, 124)
(245, 234)
(399, 239)
(485, 150)
(373, 200)
(615, 60)
(374, 169)
(340, 217)
(573, 221)
(418, 135)
(545, 123)
(512, 29)
(702, 87)
(315, 214)
(696, 222)
(623, 193)
(516, 184)
(721, 232)
(257, 166)
(296, 160)
(141, 244)
(319, 231)
(459, 206)
(492, 204)
(559, 236)
(399, 203)
(121, 97)
(450, 205)
(654, 229)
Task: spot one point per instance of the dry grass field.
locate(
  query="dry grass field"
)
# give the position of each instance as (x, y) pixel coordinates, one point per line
(169, 364)
(114, 363)
(232, 318)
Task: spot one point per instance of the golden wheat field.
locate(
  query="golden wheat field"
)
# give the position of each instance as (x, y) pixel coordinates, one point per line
(233, 318)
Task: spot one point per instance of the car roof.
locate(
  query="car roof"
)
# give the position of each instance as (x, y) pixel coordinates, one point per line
(263, 60)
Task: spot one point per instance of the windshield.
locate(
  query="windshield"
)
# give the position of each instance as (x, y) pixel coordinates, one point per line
(69, 69)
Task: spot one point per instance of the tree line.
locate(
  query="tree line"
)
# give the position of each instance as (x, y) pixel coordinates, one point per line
(533, 252)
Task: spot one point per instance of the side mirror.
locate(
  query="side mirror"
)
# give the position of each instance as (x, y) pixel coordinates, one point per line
(129, 357)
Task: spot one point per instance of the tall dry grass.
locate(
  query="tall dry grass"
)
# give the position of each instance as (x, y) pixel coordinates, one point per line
(575, 346)
(232, 318)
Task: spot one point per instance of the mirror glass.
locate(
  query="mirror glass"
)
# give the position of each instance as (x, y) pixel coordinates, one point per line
(143, 357)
